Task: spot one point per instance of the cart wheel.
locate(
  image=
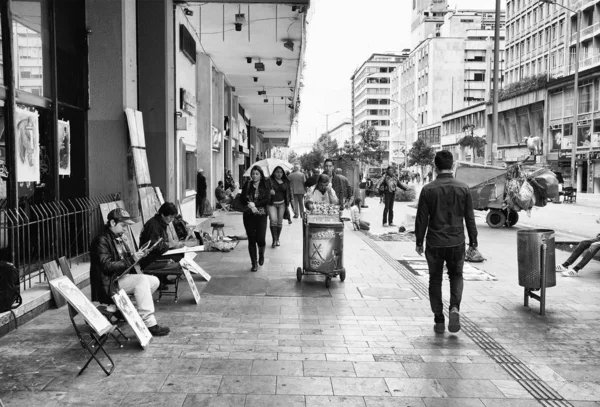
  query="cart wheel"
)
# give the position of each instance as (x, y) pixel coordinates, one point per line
(299, 274)
(495, 219)
(512, 219)
(342, 275)
(327, 281)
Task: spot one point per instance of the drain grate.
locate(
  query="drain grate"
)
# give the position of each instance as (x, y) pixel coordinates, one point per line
(531, 382)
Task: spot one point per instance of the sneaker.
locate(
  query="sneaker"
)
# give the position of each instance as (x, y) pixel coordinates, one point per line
(159, 330)
(392, 224)
(385, 225)
(561, 269)
(454, 324)
(570, 272)
(439, 328)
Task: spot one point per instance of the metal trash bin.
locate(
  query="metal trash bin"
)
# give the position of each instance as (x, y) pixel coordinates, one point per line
(529, 255)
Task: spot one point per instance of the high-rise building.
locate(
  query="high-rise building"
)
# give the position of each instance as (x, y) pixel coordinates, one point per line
(371, 89)
(341, 132)
(427, 16)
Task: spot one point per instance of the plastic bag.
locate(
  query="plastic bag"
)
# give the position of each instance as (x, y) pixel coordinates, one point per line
(525, 192)
(472, 255)
(346, 214)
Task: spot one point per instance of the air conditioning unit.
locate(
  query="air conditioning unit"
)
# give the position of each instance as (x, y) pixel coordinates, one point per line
(501, 154)
(556, 127)
(582, 123)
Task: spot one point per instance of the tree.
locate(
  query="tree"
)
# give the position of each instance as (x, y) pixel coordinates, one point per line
(326, 145)
(293, 157)
(368, 150)
(312, 159)
(470, 140)
(421, 154)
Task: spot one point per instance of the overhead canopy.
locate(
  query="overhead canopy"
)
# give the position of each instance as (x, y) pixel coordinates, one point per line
(267, 27)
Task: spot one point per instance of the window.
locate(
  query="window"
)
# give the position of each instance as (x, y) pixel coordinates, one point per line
(190, 170)
(568, 102)
(585, 98)
(479, 77)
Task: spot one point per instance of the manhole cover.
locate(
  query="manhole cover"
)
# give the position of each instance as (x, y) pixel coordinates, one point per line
(389, 293)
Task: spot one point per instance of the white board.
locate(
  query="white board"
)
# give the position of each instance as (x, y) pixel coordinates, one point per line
(132, 317)
(186, 267)
(196, 269)
(80, 302)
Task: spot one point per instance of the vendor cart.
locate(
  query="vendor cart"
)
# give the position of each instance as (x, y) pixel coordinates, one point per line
(323, 247)
(487, 184)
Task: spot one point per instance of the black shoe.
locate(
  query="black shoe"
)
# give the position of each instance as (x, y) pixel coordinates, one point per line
(295, 216)
(254, 267)
(274, 244)
(159, 330)
(261, 255)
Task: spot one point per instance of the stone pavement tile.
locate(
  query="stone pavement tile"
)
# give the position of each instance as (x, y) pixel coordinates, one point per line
(180, 383)
(470, 388)
(190, 366)
(277, 368)
(248, 385)
(204, 354)
(399, 358)
(329, 369)
(415, 387)
(214, 400)
(545, 373)
(255, 400)
(52, 399)
(584, 391)
(301, 356)
(431, 370)
(578, 373)
(334, 401)
(225, 367)
(309, 386)
(30, 381)
(343, 357)
(464, 402)
(393, 402)
(153, 399)
(480, 371)
(510, 403)
(359, 386)
(379, 369)
(253, 355)
(114, 384)
(512, 389)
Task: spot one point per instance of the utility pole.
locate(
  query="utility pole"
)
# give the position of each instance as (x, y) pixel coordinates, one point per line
(494, 140)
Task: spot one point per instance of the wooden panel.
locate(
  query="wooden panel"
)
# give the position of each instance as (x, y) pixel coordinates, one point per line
(52, 273)
(148, 203)
(65, 268)
(136, 231)
(186, 268)
(132, 317)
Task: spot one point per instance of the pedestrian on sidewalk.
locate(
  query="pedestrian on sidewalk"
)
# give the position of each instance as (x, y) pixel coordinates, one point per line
(200, 193)
(297, 180)
(358, 223)
(588, 248)
(388, 184)
(256, 195)
(281, 196)
(110, 255)
(443, 206)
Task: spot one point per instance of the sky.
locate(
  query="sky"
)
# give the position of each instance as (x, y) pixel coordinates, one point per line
(341, 35)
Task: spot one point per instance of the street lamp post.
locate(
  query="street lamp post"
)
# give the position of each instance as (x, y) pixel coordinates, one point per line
(406, 116)
(575, 90)
(327, 120)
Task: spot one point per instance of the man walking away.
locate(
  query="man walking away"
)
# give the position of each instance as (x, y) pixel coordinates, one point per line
(297, 180)
(443, 205)
(200, 193)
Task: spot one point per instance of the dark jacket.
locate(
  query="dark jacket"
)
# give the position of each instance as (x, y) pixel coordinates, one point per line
(312, 180)
(154, 229)
(264, 194)
(106, 261)
(443, 205)
(201, 185)
(284, 187)
(388, 180)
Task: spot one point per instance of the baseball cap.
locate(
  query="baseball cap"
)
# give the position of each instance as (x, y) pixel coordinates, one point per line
(120, 215)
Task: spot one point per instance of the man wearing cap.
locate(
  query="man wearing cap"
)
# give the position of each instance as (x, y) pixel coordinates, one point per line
(200, 193)
(109, 255)
(154, 229)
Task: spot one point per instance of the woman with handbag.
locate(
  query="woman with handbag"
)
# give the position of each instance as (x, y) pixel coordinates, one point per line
(256, 195)
(281, 196)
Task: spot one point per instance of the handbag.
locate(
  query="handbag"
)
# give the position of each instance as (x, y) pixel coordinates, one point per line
(260, 211)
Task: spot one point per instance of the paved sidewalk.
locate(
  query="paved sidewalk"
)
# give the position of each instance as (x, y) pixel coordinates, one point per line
(263, 339)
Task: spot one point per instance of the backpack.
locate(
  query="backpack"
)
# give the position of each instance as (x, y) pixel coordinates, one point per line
(10, 289)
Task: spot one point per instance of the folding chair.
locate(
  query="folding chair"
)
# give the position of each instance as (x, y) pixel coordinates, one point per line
(110, 315)
(94, 345)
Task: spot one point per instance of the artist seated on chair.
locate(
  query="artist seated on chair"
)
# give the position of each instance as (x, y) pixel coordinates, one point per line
(155, 229)
(109, 255)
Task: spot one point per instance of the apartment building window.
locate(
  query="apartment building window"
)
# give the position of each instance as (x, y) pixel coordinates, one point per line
(585, 98)
(596, 96)
(568, 102)
(561, 28)
(553, 32)
(534, 16)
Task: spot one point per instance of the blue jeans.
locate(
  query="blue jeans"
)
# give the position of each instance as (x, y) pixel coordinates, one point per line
(276, 212)
(388, 211)
(454, 257)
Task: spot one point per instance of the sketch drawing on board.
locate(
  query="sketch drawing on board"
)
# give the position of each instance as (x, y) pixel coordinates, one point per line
(80, 302)
(64, 148)
(27, 135)
(186, 268)
(132, 317)
(140, 162)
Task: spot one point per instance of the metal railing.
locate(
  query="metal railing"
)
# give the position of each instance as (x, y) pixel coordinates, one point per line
(35, 234)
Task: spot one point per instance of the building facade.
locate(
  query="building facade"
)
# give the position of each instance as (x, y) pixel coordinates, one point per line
(342, 132)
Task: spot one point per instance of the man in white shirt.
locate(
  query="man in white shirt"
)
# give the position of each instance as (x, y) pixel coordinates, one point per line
(323, 193)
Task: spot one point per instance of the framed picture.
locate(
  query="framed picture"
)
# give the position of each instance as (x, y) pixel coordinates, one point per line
(216, 138)
(27, 141)
(186, 267)
(64, 148)
(132, 317)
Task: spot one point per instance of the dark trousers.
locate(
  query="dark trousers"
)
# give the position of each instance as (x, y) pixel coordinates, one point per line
(588, 248)
(388, 211)
(200, 205)
(298, 203)
(454, 257)
(256, 230)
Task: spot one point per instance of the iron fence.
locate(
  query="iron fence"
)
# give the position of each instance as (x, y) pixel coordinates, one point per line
(34, 234)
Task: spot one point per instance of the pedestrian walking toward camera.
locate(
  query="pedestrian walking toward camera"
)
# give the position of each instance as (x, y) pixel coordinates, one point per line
(256, 195)
(387, 187)
(297, 180)
(443, 206)
(281, 197)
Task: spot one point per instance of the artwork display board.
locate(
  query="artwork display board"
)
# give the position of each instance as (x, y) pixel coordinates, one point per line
(186, 268)
(137, 139)
(132, 317)
(149, 203)
(27, 134)
(64, 147)
(195, 267)
(52, 273)
(80, 302)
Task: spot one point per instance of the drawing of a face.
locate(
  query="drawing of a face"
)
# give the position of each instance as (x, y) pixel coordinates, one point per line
(26, 140)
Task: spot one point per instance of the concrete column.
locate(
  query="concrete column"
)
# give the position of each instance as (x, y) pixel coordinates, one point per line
(113, 87)
(579, 177)
(218, 114)
(204, 120)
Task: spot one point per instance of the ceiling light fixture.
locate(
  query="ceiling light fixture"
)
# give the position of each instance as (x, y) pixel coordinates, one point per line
(240, 19)
(249, 60)
(259, 66)
(256, 79)
(266, 100)
(289, 45)
(294, 8)
(188, 12)
(289, 83)
(279, 61)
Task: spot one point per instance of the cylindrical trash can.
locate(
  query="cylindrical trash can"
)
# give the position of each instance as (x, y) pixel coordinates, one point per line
(529, 256)
(324, 247)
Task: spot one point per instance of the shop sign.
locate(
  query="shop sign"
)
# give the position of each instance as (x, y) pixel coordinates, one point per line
(187, 102)
(595, 155)
(583, 156)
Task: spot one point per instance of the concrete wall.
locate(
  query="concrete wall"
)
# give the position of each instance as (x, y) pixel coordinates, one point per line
(112, 73)
(204, 120)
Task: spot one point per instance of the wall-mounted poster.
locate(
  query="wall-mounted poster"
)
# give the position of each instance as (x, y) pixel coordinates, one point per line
(216, 138)
(596, 140)
(27, 136)
(557, 138)
(566, 142)
(64, 148)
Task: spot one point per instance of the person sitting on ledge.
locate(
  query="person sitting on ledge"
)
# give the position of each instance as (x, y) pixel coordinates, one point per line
(588, 248)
